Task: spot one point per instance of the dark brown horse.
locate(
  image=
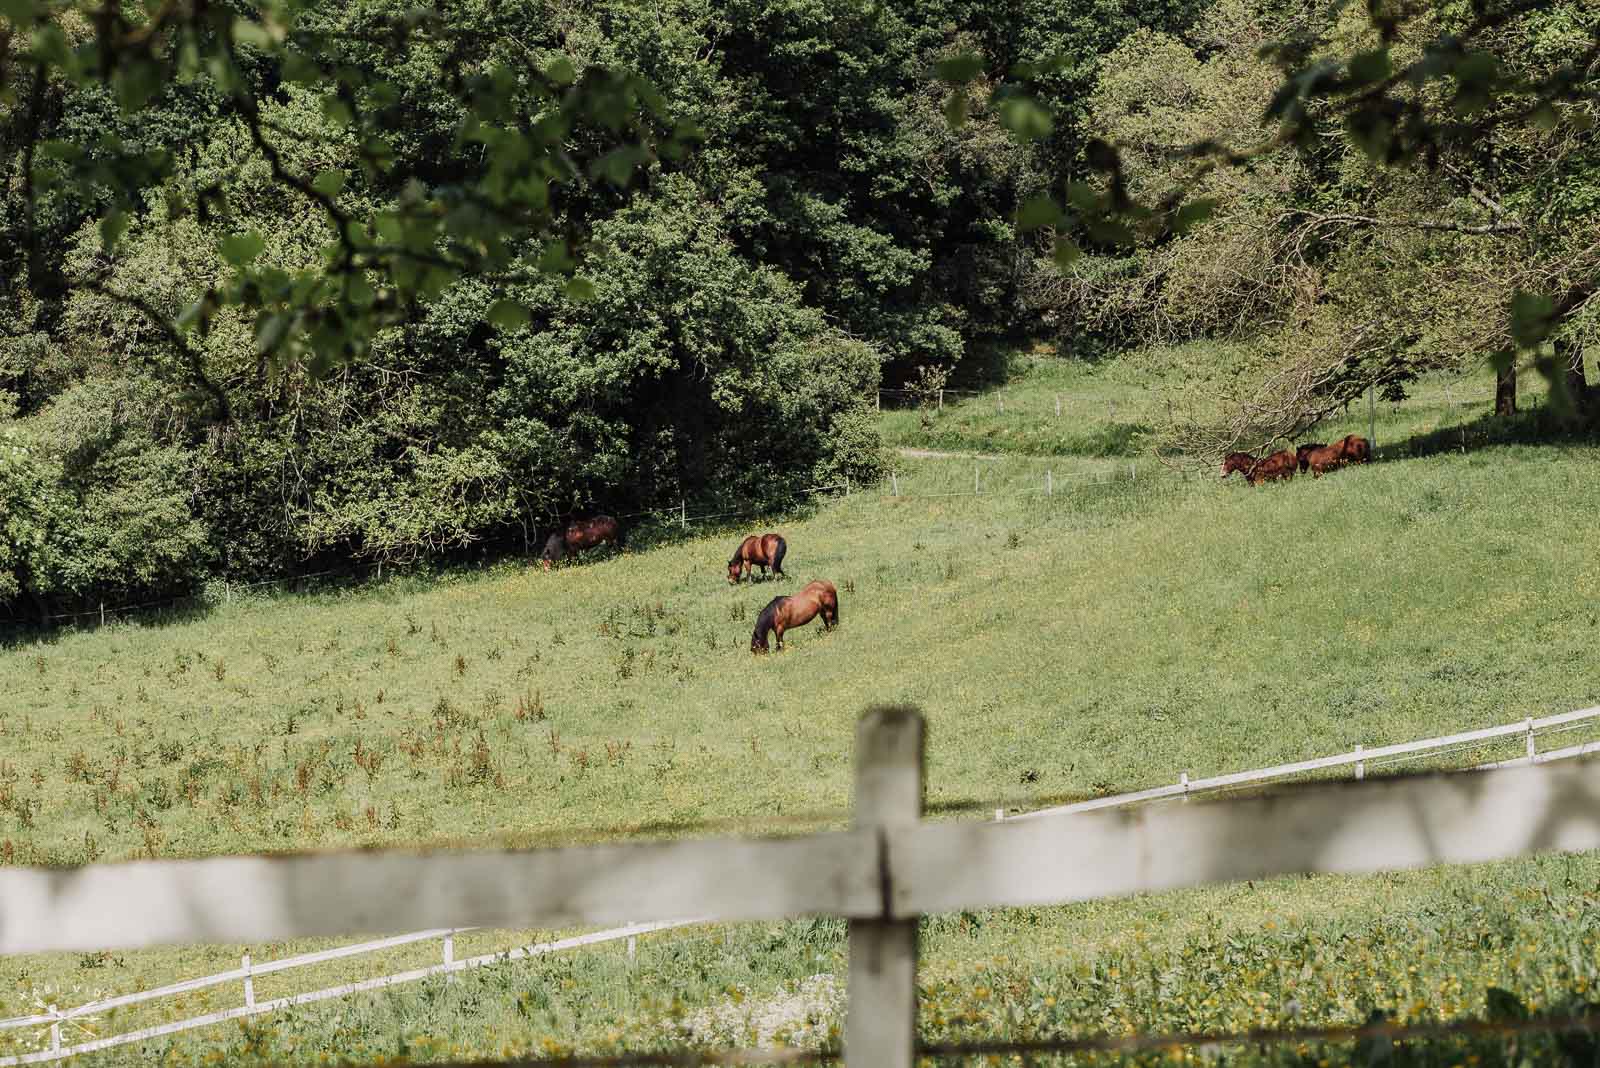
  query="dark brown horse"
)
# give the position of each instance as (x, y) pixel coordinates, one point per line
(758, 550)
(1238, 461)
(782, 613)
(1301, 451)
(580, 534)
(1322, 459)
(1356, 449)
(1280, 465)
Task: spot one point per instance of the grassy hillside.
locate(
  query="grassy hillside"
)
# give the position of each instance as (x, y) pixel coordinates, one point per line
(1105, 637)
(1046, 406)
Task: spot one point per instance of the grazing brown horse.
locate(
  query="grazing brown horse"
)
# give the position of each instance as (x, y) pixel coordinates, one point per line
(1238, 461)
(782, 613)
(1322, 459)
(580, 534)
(1280, 465)
(758, 550)
(1301, 451)
(1356, 449)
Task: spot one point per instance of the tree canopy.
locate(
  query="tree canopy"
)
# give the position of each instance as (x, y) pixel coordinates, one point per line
(284, 282)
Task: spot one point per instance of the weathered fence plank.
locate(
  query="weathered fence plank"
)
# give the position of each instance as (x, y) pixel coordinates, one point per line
(270, 899)
(1345, 827)
(881, 1027)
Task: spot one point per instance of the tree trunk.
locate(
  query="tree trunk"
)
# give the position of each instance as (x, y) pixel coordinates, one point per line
(1505, 391)
(1571, 357)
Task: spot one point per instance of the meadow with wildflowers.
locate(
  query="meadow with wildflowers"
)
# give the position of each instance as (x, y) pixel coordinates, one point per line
(1101, 638)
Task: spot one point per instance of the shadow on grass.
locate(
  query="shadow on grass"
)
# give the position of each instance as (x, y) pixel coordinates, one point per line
(1540, 427)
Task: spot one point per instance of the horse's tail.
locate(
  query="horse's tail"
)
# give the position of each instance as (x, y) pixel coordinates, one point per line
(777, 554)
(834, 597)
(765, 622)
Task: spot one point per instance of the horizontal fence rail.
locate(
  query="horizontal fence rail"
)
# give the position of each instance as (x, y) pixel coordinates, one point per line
(883, 875)
(1406, 823)
(1359, 756)
(251, 1007)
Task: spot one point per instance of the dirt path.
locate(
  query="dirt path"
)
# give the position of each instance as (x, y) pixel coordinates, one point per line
(935, 454)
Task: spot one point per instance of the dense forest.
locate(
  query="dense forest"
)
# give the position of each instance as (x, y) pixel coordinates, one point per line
(609, 256)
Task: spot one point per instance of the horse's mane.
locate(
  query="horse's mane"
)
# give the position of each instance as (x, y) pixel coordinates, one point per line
(766, 620)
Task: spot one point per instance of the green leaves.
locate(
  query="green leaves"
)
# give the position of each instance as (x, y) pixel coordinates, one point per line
(1023, 116)
(955, 109)
(508, 315)
(1192, 214)
(1531, 318)
(1365, 68)
(112, 228)
(960, 69)
(240, 249)
(1476, 74)
(328, 182)
(561, 71)
(1503, 1005)
(1040, 211)
(20, 12)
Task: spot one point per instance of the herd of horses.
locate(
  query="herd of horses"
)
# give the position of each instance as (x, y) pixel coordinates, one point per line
(819, 598)
(1317, 458)
(765, 551)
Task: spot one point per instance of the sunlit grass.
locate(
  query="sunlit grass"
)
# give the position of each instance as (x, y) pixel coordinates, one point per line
(1128, 626)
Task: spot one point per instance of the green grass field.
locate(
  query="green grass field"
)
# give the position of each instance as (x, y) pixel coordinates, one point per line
(1102, 638)
(1051, 407)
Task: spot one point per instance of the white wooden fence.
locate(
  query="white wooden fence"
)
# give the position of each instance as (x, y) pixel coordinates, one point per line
(1529, 729)
(247, 973)
(882, 875)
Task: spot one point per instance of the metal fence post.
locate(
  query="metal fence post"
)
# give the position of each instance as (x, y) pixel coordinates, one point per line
(881, 1028)
(249, 984)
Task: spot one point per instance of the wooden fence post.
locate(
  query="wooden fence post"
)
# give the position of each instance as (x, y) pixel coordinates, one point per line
(1058, 406)
(881, 1028)
(683, 514)
(449, 953)
(975, 487)
(249, 984)
(941, 400)
(1049, 483)
(894, 483)
(1361, 765)
(1530, 739)
(1372, 415)
(55, 1031)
